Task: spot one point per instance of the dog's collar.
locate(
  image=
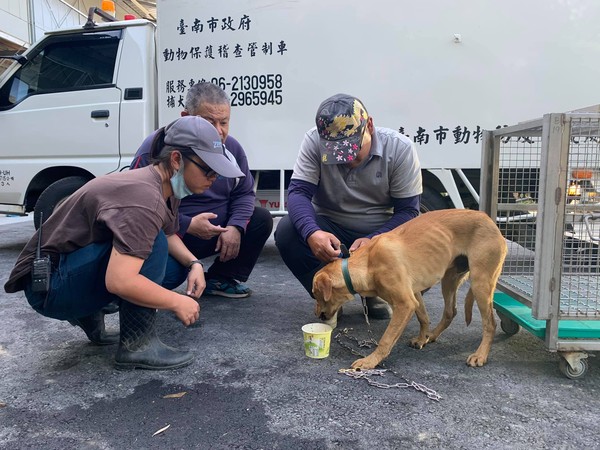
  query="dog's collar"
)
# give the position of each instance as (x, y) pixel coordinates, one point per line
(346, 275)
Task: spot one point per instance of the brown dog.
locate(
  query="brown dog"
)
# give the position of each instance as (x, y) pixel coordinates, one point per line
(397, 266)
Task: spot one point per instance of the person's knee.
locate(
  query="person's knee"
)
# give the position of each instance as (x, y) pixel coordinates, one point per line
(155, 265)
(175, 274)
(161, 245)
(261, 222)
(285, 232)
(284, 229)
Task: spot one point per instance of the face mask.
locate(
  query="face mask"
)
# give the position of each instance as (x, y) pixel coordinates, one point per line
(180, 189)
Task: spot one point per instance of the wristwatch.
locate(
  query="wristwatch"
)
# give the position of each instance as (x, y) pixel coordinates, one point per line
(191, 263)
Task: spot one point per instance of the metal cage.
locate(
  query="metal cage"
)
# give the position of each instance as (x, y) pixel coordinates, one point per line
(541, 181)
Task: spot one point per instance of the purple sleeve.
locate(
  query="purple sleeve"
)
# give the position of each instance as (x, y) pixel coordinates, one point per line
(184, 223)
(404, 210)
(300, 209)
(242, 197)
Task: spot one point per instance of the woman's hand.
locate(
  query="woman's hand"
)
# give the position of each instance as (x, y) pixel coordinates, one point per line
(123, 279)
(196, 283)
(187, 310)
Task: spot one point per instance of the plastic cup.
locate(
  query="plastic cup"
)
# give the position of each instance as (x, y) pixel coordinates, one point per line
(317, 338)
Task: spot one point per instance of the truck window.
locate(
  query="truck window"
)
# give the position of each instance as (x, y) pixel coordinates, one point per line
(64, 64)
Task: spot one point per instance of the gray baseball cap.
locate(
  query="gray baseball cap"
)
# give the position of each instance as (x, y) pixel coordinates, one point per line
(198, 135)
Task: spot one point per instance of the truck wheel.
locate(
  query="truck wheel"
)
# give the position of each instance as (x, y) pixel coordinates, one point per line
(432, 200)
(54, 195)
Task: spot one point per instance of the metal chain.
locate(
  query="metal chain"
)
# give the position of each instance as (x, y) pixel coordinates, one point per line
(371, 339)
(359, 374)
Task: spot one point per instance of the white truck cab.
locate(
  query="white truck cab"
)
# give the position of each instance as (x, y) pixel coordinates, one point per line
(78, 106)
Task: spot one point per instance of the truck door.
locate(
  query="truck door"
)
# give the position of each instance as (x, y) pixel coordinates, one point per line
(61, 106)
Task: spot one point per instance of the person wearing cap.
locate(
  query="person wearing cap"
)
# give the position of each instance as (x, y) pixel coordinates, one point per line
(351, 181)
(223, 220)
(114, 239)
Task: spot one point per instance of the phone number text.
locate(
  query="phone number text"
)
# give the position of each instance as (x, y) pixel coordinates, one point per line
(252, 90)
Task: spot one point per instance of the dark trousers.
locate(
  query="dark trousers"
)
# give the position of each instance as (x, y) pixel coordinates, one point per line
(296, 253)
(253, 240)
(78, 286)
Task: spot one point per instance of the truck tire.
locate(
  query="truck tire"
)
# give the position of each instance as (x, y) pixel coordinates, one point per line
(54, 195)
(432, 200)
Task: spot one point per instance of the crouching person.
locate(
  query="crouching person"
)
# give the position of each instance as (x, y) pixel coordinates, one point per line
(114, 239)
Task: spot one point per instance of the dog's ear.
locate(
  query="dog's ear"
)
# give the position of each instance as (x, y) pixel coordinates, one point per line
(323, 284)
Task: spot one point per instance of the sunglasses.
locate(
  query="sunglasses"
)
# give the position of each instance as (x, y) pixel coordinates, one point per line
(208, 172)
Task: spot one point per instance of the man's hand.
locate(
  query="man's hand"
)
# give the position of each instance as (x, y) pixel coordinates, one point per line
(202, 228)
(358, 244)
(228, 243)
(325, 246)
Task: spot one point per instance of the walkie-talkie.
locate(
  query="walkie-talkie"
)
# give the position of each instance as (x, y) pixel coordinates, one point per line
(40, 274)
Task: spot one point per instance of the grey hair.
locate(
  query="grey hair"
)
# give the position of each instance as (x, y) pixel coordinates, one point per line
(201, 93)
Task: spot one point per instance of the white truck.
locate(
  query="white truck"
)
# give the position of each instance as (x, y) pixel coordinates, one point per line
(79, 102)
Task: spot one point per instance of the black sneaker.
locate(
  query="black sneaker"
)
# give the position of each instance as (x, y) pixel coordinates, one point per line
(378, 308)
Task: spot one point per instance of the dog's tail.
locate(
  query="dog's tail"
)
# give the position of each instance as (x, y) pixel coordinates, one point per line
(469, 306)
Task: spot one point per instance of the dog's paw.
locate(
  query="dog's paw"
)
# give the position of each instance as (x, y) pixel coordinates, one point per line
(476, 360)
(364, 364)
(418, 342)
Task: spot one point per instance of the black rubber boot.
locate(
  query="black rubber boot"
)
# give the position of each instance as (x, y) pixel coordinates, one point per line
(378, 308)
(111, 308)
(93, 326)
(140, 347)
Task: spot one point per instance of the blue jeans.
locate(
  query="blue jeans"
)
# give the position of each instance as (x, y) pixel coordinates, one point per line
(78, 287)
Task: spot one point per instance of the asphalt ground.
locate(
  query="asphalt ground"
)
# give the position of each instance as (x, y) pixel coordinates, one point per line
(252, 387)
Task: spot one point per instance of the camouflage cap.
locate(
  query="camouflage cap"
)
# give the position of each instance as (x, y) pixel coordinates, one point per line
(341, 121)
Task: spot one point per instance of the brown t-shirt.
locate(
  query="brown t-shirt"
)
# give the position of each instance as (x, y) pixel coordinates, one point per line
(125, 208)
